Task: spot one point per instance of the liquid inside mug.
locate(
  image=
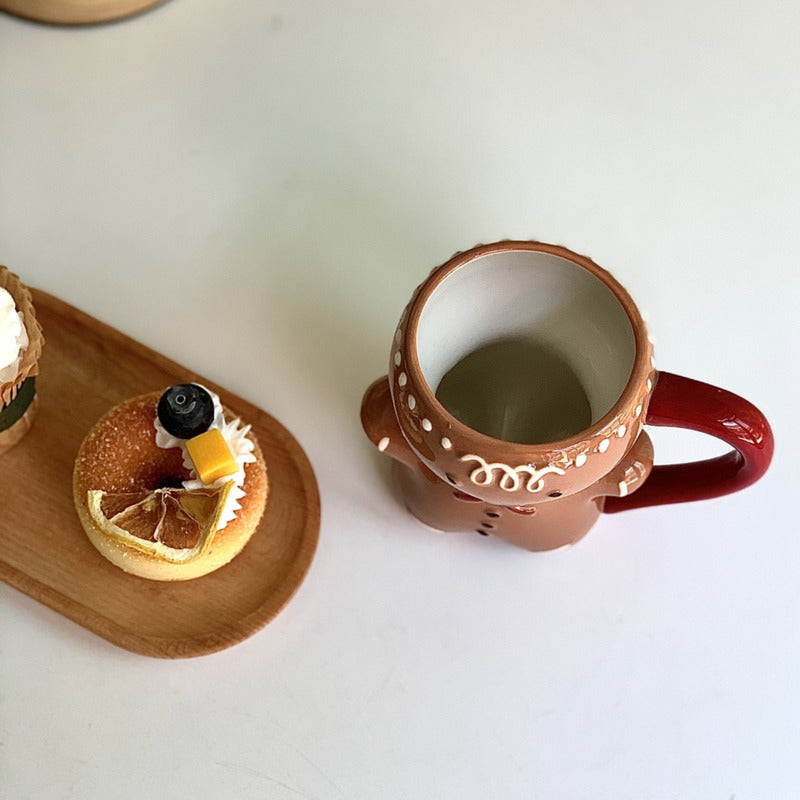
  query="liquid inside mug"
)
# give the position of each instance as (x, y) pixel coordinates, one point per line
(520, 380)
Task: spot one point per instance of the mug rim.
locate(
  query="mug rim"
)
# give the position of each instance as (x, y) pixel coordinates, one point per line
(640, 369)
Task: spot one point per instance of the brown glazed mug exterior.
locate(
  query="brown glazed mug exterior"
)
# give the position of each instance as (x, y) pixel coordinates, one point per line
(544, 496)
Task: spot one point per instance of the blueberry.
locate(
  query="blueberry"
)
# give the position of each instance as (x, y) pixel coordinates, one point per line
(186, 410)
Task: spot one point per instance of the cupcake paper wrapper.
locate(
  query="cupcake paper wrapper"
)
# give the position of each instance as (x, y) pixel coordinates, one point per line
(29, 366)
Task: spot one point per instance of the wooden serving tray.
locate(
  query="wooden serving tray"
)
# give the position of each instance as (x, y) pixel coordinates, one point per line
(87, 367)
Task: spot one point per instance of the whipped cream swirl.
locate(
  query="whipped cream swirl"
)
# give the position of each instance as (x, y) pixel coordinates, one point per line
(13, 337)
(235, 434)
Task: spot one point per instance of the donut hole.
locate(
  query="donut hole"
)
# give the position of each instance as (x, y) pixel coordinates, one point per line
(170, 482)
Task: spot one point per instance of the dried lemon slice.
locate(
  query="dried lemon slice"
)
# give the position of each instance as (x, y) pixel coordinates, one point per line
(175, 525)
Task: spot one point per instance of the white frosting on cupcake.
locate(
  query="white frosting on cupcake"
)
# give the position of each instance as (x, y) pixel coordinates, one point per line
(235, 435)
(13, 337)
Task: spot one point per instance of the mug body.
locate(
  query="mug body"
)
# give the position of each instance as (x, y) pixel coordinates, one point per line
(520, 375)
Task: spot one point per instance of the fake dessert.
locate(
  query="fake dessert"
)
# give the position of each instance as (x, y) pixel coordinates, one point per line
(171, 486)
(21, 343)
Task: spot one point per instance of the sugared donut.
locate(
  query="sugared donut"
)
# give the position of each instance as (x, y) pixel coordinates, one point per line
(140, 495)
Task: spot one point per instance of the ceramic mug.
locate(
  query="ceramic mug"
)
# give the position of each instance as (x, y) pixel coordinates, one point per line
(520, 381)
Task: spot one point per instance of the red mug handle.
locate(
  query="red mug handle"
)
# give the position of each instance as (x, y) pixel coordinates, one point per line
(686, 403)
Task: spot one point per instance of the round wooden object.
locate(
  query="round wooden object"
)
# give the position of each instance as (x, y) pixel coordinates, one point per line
(76, 12)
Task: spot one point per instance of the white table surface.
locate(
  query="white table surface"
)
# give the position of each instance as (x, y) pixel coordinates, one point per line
(254, 188)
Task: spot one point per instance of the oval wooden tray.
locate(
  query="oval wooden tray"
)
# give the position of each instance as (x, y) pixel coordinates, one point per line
(86, 367)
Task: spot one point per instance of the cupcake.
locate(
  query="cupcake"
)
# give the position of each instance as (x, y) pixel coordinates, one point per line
(21, 343)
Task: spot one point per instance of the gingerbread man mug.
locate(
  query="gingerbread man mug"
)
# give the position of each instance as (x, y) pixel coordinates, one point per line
(520, 382)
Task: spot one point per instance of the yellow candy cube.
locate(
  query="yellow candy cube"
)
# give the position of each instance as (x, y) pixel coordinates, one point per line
(211, 456)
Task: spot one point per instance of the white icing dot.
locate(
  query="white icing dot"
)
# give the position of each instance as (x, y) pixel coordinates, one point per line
(402, 379)
(446, 443)
(426, 423)
(649, 384)
(580, 459)
(603, 446)
(397, 358)
(621, 431)
(412, 402)
(639, 410)
(398, 334)
(383, 443)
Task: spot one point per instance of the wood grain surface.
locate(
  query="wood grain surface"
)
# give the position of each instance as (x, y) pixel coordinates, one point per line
(86, 368)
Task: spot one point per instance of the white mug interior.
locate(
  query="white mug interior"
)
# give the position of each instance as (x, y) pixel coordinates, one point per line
(534, 295)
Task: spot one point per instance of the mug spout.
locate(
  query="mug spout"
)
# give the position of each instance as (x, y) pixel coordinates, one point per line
(380, 423)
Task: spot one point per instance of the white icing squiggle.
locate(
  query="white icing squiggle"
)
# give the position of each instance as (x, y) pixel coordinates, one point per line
(13, 337)
(235, 434)
(510, 477)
